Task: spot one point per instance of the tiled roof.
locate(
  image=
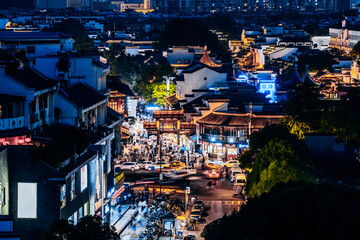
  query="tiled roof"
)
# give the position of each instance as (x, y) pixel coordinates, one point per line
(115, 84)
(8, 36)
(233, 119)
(172, 100)
(82, 95)
(31, 78)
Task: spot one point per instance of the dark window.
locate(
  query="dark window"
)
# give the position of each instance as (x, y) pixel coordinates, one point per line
(178, 61)
(42, 101)
(32, 108)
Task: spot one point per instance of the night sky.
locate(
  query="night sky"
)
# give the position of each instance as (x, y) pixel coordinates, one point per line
(23, 4)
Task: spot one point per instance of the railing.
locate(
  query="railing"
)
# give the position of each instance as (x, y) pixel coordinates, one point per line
(12, 123)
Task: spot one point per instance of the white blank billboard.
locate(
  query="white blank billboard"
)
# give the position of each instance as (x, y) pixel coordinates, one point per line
(27, 200)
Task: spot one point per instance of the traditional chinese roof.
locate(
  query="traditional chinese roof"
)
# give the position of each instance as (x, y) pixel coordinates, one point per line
(233, 119)
(115, 84)
(178, 114)
(207, 60)
(294, 81)
(308, 80)
(329, 77)
(172, 100)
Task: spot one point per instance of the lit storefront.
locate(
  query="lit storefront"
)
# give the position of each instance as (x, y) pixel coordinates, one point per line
(226, 134)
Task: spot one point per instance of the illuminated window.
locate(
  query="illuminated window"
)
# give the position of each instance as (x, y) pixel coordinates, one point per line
(113, 105)
(72, 187)
(27, 200)
(84, 178)
(63, 195)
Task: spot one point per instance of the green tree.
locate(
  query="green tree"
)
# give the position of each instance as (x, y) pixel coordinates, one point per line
(303, 106)
(88, 228)
(296, 127)
(270, 132)
(188, 32)
(259, 139)
(277, 162)
(319, 61)
(159, 92)
(293, 210)
(355, 52)
(344, 120)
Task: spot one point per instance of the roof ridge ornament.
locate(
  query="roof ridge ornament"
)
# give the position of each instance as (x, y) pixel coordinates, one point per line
(207, 60)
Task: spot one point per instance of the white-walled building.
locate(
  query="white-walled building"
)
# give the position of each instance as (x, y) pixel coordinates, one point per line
(38, 92)
(36, 44)
(196, 79)
(74, 68)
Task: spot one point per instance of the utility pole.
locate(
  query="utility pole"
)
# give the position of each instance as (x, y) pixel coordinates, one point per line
(160, 174)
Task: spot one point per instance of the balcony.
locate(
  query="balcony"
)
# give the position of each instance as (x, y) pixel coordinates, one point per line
(11, 123)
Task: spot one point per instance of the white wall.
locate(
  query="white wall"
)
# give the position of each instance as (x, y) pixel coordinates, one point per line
(322, 42)
(181, 54)
(68, 112)
(284, 54)
(47, 66)
(196, 80)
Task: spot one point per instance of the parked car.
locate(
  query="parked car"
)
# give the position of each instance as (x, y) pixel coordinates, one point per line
(163, 165)
(230, 163)
(130, 166)
(190, 170)
(146, 165)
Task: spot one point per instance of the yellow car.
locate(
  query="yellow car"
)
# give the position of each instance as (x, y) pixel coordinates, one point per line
(177, 165)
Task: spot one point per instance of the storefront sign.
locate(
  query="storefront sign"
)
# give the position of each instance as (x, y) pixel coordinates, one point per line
(119, 177)
(118, 192)
(98, 205)
(232, 151)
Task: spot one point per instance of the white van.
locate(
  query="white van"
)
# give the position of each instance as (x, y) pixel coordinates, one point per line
(239, 183)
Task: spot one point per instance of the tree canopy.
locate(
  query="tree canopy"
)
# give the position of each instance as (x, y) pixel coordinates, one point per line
(355, 52)
(77, 31)
(147, 80)
(88, 228)
(303, 106)
(188, 32)
(293, 210)
(278, 161)
(317, 61)
(348, 127)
